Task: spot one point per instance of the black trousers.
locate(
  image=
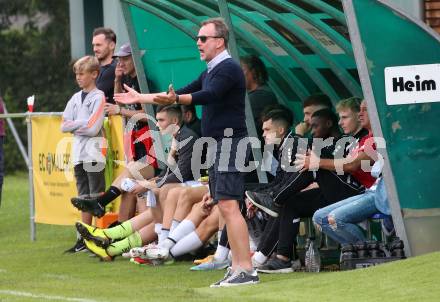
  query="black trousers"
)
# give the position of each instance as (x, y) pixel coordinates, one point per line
(333, 186)
(280, 233)
(303, 204)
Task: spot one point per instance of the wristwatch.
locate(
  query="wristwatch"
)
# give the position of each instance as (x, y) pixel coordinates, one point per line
(177, 99)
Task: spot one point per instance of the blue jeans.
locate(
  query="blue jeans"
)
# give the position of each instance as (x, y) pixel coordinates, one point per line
(346, 213)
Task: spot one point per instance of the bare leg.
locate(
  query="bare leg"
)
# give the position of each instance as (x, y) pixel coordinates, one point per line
(147, 233)
(141, 220)
(221, 221)
(161, 196)
(238, 235)
(157, 211)
(86, 218)
(141, 205)
(127, 209)
(209, 226)
(197, 214)
(140, 171)
(164, 190)
(169, 206)
(187, 199)
(134, 170)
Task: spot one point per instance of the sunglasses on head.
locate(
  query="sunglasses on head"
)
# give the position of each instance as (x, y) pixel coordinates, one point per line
(203, 39)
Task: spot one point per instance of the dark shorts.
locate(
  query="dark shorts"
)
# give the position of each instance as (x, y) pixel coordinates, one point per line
(90, 183)
(226, 180)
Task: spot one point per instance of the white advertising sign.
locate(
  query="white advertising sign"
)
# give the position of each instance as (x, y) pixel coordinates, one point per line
(412, 84)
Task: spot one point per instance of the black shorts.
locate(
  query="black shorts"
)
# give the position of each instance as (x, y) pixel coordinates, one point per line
(92, 182)
(226, 179)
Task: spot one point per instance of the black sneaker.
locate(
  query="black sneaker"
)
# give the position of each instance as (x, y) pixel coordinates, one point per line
(228, 274)
(264, 202)
(78, 247)
(276, 266)
(241, 277)
(89, 205)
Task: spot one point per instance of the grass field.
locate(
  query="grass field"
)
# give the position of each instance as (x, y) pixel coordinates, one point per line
(40, 272)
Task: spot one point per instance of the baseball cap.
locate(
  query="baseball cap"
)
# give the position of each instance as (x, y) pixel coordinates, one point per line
(124, 51)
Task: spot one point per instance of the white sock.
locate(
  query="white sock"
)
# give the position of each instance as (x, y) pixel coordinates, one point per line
(190, 242)
(259, 257)
(167, 243)
(221, 254)
(163, 235)
(184, 228)
(157, 228)
(174, 225)
(219, 234)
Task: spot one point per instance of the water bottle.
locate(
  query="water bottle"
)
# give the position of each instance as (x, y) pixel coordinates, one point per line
(307, 256)
(312, 259)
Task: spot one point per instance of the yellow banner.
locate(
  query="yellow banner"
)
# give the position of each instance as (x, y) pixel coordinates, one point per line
(117, 156)
(53, 178)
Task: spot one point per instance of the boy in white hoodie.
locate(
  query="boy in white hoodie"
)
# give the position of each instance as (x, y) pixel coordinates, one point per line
(84, 116)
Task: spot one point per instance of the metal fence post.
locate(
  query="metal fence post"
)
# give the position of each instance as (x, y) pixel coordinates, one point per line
(31, 176)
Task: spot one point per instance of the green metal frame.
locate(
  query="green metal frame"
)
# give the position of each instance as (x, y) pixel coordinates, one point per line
(301, 91)
(279, 64)
(325, 56)
(296, 84)
(295, 54)
(330, 10)
(285, 69)
(335, 36)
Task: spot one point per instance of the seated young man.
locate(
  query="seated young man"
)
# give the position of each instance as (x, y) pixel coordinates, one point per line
(169, 121)
(179, 202)
(335, 186)
(323, 125)
(310, 105)
(188, 236)
(339, 220)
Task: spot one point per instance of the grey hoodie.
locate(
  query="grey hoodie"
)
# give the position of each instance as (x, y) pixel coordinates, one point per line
(85, 120)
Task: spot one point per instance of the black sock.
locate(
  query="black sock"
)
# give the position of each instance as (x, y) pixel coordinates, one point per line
(109, 196)
(223, 241)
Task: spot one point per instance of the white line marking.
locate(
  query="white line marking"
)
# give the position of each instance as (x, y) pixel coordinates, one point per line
(46, 297)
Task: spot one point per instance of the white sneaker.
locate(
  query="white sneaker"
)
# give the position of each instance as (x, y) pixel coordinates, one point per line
(138, 251)
(134, 252)
(157, 252)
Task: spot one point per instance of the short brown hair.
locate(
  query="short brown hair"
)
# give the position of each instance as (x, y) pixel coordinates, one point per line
(107, 32)
(353, 103)
(318, 100)
(222, 30)
(86, 64)
(174, 110)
